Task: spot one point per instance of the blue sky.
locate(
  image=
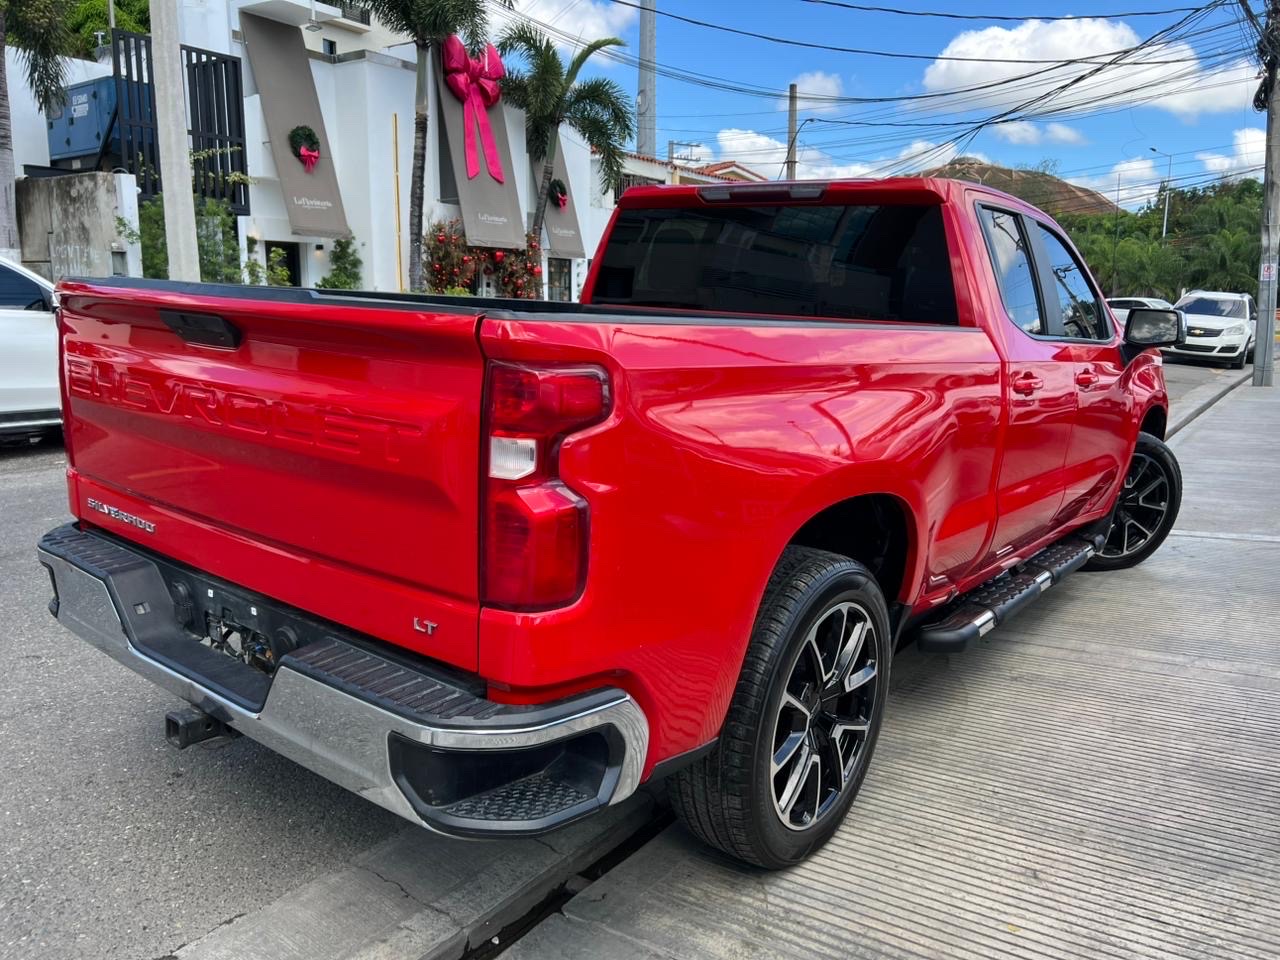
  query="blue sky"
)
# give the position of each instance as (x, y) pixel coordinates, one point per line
(1191, 99)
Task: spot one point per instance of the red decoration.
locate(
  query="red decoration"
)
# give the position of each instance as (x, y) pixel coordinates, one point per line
(309, 158)
(475, 83)
(499, 256)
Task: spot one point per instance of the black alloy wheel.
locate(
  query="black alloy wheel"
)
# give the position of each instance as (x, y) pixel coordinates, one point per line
(802, 725)
(1147, 507)
(824, 715)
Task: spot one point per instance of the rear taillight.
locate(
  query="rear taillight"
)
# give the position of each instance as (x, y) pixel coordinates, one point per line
(535, 527)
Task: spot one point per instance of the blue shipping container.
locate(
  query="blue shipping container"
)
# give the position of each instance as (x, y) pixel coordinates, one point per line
(78, 128)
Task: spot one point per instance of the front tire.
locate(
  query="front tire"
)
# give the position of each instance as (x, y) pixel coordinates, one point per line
(1147, 509)
(804, 717)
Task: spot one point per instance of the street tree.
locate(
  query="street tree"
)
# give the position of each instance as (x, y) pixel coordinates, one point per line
(429, 23)
(88, 18)
(551, 94)
(37, 30)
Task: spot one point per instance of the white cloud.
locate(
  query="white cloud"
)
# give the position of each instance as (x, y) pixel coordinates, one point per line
(1185, 89)
(1017, 131)
(819, 87)
(1061, 133)
(766, 155)
(1132, 183)
(1023, 132)
(582, 19)
(1250, 150)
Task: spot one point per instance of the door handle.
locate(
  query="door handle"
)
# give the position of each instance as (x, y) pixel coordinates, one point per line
(1027, 384)
(1086, 377)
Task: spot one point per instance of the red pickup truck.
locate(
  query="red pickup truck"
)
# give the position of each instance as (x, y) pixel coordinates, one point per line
(493, 564)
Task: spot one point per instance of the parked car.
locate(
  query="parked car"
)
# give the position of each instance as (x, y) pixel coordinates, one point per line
(1220, 326)
(492, 564)
(29, 400)
(1121, 306)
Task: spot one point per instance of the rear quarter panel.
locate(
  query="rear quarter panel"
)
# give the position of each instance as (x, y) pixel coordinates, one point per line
(724, 439)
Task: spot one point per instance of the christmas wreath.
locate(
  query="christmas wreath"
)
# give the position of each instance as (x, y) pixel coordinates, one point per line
(559, 193)
(305, 146)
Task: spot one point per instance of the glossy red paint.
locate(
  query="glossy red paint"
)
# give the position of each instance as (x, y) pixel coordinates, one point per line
(334, 459)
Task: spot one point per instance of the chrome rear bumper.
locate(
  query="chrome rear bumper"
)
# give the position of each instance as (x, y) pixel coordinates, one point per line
(355, 717)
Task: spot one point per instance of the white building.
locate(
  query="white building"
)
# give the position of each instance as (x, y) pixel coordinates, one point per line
(363, 79)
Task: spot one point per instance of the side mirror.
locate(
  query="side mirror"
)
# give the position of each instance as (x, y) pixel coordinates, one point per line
(1147, 327)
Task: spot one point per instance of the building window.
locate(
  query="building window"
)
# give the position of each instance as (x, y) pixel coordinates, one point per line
(559, 279)
(330, 47)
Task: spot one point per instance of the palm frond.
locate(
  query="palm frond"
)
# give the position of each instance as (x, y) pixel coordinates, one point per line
(605, 138)
(605, 98)
(585, 54)
(431, 21)
(38, 29)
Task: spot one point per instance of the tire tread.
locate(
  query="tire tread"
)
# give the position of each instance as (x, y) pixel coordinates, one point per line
(712, 796)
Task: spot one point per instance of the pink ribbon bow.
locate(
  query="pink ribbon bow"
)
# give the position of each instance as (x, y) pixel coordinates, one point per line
(562, 200)
(309, 158)
(475, 83)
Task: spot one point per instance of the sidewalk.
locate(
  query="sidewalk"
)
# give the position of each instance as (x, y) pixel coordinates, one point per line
(1098, 778)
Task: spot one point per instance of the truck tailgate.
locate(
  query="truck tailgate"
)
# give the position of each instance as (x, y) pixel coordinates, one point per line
(322, 450)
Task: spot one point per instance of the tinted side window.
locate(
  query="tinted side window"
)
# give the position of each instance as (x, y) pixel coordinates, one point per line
(16, 290)
(1082, 315)
(1012, 262)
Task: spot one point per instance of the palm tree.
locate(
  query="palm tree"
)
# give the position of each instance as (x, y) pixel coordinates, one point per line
(37, 29)
(428, 22)
(551, 95)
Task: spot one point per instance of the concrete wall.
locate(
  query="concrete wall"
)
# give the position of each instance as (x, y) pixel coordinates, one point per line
(68, 225)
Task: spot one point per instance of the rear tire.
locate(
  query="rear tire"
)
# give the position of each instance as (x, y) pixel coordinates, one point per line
(804, 717)
(1148, 507)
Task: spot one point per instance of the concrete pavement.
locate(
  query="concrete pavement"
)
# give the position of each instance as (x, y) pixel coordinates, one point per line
(1097, 778)
(118, 846)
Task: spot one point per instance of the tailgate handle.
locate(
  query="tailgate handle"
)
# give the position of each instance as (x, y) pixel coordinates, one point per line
(206, 329)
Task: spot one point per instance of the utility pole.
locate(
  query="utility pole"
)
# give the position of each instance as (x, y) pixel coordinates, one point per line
(174, 144)
(647, 96)
(111, 14)
(1168, 188)
(792, 108)
(1268, 98)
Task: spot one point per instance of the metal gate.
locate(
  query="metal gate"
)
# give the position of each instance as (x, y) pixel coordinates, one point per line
(215, 119)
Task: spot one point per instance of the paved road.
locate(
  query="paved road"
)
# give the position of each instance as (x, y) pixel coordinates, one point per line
(115, 845)
(1095, 779)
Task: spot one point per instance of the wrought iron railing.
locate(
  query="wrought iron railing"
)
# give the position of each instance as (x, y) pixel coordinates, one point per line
(351, 11)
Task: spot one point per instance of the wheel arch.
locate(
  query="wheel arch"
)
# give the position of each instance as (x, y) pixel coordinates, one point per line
(1155, 421)
(876, 529)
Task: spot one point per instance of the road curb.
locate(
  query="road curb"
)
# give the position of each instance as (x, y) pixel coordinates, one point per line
(417, 895)
(1197, 402)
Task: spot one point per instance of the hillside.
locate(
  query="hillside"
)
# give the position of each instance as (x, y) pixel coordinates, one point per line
(1043, 190)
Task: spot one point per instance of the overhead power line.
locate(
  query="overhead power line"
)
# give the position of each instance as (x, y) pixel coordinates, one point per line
(939, 98)
(999, 17)
(865, 52)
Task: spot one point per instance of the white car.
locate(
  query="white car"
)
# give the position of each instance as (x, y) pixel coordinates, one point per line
(1220, 326)
(1121, 306)
(30, 402)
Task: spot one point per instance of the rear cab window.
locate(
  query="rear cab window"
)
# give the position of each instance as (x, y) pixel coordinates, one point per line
(857, 262)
